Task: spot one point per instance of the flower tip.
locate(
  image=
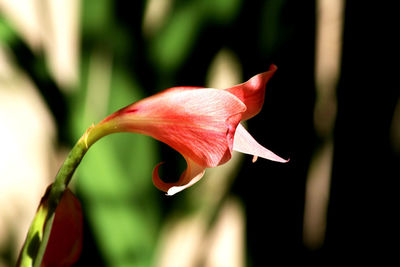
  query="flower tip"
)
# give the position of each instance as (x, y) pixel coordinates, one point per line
(173, 190)
(276, 158)
(283, 160)
(273, 67)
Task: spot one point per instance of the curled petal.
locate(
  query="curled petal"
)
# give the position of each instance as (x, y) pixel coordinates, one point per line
(243, 142)
(252, 92)
(193, 173)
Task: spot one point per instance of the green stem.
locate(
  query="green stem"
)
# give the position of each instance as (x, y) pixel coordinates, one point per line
(39, 232)
(60, 184)
(65, 173)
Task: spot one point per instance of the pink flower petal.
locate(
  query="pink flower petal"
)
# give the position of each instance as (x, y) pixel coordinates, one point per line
(243, 142)
(203, 124)
(252, 92)
(190, 176)
(199, 123)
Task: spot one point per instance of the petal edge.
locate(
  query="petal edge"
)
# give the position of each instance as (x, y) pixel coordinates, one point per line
(243, 142)
(193, 173)
(252, 92)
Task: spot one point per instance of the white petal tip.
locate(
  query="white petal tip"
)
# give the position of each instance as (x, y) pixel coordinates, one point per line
(243, 142)
(173, 190)
(283, 160)
(278, 159)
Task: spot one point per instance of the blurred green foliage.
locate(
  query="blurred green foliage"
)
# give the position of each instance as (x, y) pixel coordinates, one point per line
(175, 42)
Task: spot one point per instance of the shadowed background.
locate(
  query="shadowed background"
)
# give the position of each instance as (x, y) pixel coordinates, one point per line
(332, 108)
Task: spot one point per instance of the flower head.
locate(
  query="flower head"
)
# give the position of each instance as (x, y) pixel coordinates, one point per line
(203, 124)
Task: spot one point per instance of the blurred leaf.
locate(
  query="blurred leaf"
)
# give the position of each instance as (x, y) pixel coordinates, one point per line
(7, 33)
(124, 234)
(272, 33)
(177, 39)
(222, 11)
(174, 43)
(96, 16)
(114, 179)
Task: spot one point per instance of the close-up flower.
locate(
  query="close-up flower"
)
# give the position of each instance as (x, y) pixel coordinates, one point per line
(127, 103)
(203, 124)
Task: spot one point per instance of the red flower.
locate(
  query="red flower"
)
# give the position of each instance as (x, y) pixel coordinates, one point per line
(65, 242)
(203, 124)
